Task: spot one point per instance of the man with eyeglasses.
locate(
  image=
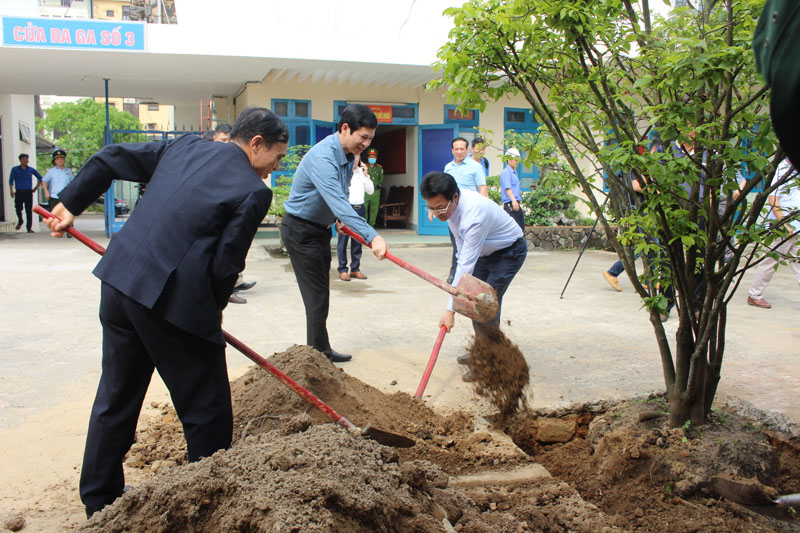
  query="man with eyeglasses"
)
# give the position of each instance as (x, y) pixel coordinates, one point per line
(470, 175)
(490, 244)
(318, 198)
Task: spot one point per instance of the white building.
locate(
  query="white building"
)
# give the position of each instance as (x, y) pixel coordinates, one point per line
(304, 59)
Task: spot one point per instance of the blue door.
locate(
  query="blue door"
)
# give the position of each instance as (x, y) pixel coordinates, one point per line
(434, 154)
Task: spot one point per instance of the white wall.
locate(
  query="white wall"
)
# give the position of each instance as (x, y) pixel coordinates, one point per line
(13, 109)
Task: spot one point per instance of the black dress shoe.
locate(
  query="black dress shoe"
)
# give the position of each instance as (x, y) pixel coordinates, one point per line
(336, 357)
(91, 510)
(244, 286)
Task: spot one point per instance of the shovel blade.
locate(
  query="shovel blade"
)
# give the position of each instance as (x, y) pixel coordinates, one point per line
(475, 299)
(387, 439)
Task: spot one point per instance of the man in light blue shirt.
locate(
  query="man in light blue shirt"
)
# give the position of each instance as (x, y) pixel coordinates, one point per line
(469, 175)
(510, 192)
(490, 244)
(57, 178)
(318, 198)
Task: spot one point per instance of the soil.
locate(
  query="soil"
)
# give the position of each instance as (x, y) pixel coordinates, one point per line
(611, 467)
(500, 371)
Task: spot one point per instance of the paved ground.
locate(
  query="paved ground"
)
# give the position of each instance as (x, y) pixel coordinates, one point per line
(594, 343)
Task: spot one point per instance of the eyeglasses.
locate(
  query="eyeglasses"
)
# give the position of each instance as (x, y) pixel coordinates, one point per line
(437, 211)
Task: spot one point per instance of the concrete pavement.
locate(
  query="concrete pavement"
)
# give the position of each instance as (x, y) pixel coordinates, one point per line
(593, 344)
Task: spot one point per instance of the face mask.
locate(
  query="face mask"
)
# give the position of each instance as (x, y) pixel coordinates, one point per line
(372, 160)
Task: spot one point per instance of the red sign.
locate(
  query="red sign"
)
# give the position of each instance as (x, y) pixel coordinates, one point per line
(383, 112)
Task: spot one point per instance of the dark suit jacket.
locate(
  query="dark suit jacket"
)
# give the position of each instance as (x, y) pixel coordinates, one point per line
(182, 248)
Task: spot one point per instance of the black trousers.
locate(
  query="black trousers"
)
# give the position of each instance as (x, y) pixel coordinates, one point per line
(135, 341)
(24, 199)
(498, 270)
(309, 247)
(518, 216)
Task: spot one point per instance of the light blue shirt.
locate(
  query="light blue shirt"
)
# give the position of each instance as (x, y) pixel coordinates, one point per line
(57, 180)
(321, 187)
(509, 180)
(480, 227)
(469, 174)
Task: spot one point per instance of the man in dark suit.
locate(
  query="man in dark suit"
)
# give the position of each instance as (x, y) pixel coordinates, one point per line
(166, 277)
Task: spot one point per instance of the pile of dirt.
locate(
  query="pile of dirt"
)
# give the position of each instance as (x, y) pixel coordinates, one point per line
(499, 369)
(634, 467)
(322, 479)
(290, 469)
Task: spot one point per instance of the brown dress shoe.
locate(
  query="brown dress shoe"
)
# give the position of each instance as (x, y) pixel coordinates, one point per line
(759, 302)
(236, 299)
(357, 275)
(344, 276)
(612, 280)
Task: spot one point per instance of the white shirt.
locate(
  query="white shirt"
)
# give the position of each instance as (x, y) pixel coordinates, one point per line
(480, 227)
(788, 195)
(360, 184)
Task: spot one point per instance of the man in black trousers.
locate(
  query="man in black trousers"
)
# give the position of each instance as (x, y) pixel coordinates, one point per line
(166, 277)
(319, 196)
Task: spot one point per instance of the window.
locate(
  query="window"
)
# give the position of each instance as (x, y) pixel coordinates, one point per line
(109, 12)
(468, 123)
(296, 114)
(152, 107)
(522, 121)
(151, 125)
(126, 12)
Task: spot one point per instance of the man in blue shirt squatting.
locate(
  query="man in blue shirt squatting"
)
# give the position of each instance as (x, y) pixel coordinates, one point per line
(319, 196)
(510, 192)
(20, 182)
(469, 174)
(490, 244)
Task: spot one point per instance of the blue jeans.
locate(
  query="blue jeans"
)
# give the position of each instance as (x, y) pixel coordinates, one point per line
(498, 270)
(355, 248)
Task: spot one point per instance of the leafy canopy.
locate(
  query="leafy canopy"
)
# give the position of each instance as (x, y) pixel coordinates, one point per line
(78, 127)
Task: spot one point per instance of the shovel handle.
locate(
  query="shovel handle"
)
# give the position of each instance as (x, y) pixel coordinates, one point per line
(411, 268)
(289, 382)
(431, 362)
(233, 341)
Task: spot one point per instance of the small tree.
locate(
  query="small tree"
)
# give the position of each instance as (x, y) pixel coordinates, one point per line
(78, 127)
(605, 79)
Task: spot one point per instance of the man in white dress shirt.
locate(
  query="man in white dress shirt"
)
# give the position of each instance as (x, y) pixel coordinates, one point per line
(489, 244)
(360, 185)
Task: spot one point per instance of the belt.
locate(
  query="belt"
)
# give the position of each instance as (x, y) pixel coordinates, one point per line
(309, 222)
(357, 206)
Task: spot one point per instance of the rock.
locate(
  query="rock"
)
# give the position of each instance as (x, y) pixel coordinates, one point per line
(556, 429)
(15, 523)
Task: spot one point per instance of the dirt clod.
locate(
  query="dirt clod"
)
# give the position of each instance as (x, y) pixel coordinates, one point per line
(499, 369)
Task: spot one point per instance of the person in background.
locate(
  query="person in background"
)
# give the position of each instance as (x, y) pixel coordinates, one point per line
(491, 245)
(21, 186)
(784, 203)
(319, 196)
(478, 149)
(469, 175)
(57, 178)
(372, 201)
(510, 192)
(222, 133)
(360, 186)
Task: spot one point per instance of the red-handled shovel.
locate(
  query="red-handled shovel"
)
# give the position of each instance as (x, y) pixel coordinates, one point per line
(383, 437)
(432, 361)
(472, 297)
